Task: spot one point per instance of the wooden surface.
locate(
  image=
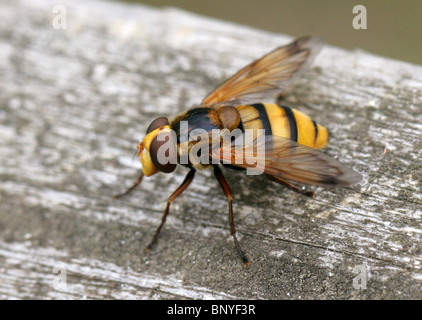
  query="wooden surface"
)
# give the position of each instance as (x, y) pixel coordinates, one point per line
(75, 102)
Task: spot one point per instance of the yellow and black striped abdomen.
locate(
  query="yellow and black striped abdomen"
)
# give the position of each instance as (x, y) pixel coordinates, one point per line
(284, 122)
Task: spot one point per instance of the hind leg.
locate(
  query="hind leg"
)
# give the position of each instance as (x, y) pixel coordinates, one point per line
(290, 186)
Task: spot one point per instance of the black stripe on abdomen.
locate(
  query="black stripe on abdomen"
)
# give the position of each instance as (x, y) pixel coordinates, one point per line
(263, 116)
(316, 131)
(292, 122)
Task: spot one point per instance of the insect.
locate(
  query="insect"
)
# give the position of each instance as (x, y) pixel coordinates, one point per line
(289, 138)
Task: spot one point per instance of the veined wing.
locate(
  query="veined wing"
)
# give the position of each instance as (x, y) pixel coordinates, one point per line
(284, 158)
(268, 75)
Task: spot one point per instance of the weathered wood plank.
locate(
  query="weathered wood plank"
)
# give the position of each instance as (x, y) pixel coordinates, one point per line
(73, 104)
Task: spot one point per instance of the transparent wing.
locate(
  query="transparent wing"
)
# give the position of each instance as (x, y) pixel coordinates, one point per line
(289, 160)
(268, 75)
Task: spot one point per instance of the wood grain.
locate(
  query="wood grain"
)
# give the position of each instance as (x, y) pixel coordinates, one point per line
(74, 103)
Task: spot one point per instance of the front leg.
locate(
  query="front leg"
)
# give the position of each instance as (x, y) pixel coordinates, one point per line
(137, 183)
(225, 186)
(178, 192)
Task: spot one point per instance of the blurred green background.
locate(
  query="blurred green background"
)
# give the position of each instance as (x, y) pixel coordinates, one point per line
(394, 28)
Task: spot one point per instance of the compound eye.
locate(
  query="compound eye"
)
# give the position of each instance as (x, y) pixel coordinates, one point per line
(163, 152)
(159, 122)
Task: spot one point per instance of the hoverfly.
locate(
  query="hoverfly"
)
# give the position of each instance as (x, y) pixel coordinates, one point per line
(289, 137)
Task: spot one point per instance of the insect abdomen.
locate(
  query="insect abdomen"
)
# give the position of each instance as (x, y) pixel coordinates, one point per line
(284, 122)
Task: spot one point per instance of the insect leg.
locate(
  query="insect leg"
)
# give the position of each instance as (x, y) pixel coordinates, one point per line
(290, 186)
(131, 188)
(225, 186)
(175, 194)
